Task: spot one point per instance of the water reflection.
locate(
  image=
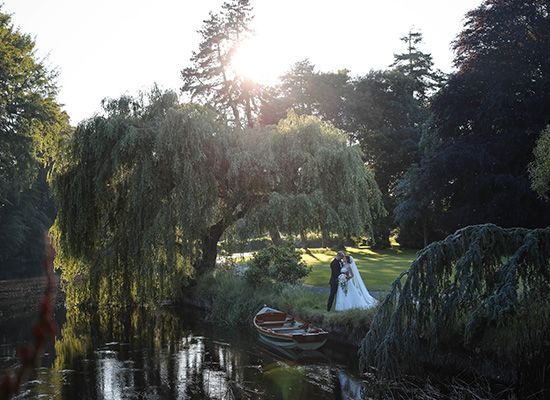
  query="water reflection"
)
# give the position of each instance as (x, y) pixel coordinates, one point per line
(159, 355)
(351, 387)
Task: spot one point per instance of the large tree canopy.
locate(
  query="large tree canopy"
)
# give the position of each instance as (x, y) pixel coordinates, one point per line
(387, 113)
(30, 122)
(321, 184)
(383, 111)
(387, 122)
(149, 189)
(487, 119)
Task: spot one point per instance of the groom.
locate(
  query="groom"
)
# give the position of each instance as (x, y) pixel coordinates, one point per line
(335, 267)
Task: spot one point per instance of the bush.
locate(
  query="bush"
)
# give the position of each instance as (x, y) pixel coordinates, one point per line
(280, 264)
(232, 301)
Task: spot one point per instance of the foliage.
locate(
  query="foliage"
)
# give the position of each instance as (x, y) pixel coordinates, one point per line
(487, 119)
(28, 110)
(278, 264)
(234, 241)
(384, 112)
(211, 78)
(388, 112)
(415, 211)
(387, 122)
(308, 92)
(419, 67)
(232, 301)
(30, 126)
(438, 388)
(321, 184)
(148, 189)
(539, 169)
(479, 295)
(502, 51)
(110, 240)
(22, 228)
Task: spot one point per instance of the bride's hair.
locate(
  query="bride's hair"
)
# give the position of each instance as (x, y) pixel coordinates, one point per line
(348, 259)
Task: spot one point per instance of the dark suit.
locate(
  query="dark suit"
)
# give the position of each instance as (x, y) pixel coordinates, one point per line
(335, 267)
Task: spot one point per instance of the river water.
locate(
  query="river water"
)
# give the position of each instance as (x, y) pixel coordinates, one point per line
(172, 354)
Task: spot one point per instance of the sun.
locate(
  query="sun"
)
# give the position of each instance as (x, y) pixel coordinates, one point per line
(256, 60)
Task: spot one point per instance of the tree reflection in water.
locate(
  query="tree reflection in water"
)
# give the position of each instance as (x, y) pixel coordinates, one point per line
(121, 354)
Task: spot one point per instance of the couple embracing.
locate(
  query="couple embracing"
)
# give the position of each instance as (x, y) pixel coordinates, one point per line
(347, 285)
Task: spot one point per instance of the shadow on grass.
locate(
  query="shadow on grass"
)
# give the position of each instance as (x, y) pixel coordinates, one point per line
(310, 253)
(378, 268)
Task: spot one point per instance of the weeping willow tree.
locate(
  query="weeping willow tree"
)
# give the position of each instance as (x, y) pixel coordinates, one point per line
(146, 191)
(477, 300)
(321, 184)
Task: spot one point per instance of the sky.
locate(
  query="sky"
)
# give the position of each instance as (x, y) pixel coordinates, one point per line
(106, 48)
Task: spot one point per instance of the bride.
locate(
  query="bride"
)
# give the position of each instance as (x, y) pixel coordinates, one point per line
(352, 292)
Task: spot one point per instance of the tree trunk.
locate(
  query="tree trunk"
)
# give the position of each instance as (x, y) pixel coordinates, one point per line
(303, 238)
(381, 231)
(248, 110)
(209, 247)
(232, 104)
(236, 116)
(425, 230)
(325, 239)
(275, 237)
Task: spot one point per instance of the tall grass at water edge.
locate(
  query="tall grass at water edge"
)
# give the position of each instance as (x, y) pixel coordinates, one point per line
(233, 301)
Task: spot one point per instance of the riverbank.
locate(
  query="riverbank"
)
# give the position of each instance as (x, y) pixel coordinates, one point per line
(227, 299)
(22, 296)
(224, 299)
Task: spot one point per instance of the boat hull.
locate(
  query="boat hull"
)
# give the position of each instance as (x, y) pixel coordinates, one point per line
(291, 343)
(279, 329)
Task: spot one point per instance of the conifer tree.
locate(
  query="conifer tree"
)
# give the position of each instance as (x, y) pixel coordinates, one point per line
(388, 111)
(418, 66)
(211, 79)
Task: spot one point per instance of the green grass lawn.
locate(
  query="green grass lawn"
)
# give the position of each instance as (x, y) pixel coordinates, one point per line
(378, 268)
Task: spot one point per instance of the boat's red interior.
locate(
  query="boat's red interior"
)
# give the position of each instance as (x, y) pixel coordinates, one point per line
(271, 317)
(276, 321)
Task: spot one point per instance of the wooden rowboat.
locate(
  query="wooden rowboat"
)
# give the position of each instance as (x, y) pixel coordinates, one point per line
(280, 329)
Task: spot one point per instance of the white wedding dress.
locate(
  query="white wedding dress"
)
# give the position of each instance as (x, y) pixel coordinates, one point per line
(356, 295)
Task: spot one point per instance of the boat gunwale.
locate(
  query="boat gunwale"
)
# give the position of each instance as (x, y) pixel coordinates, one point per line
(320, 335)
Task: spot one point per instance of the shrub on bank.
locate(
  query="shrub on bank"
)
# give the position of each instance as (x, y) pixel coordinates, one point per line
(278, 264)
(230, 299)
